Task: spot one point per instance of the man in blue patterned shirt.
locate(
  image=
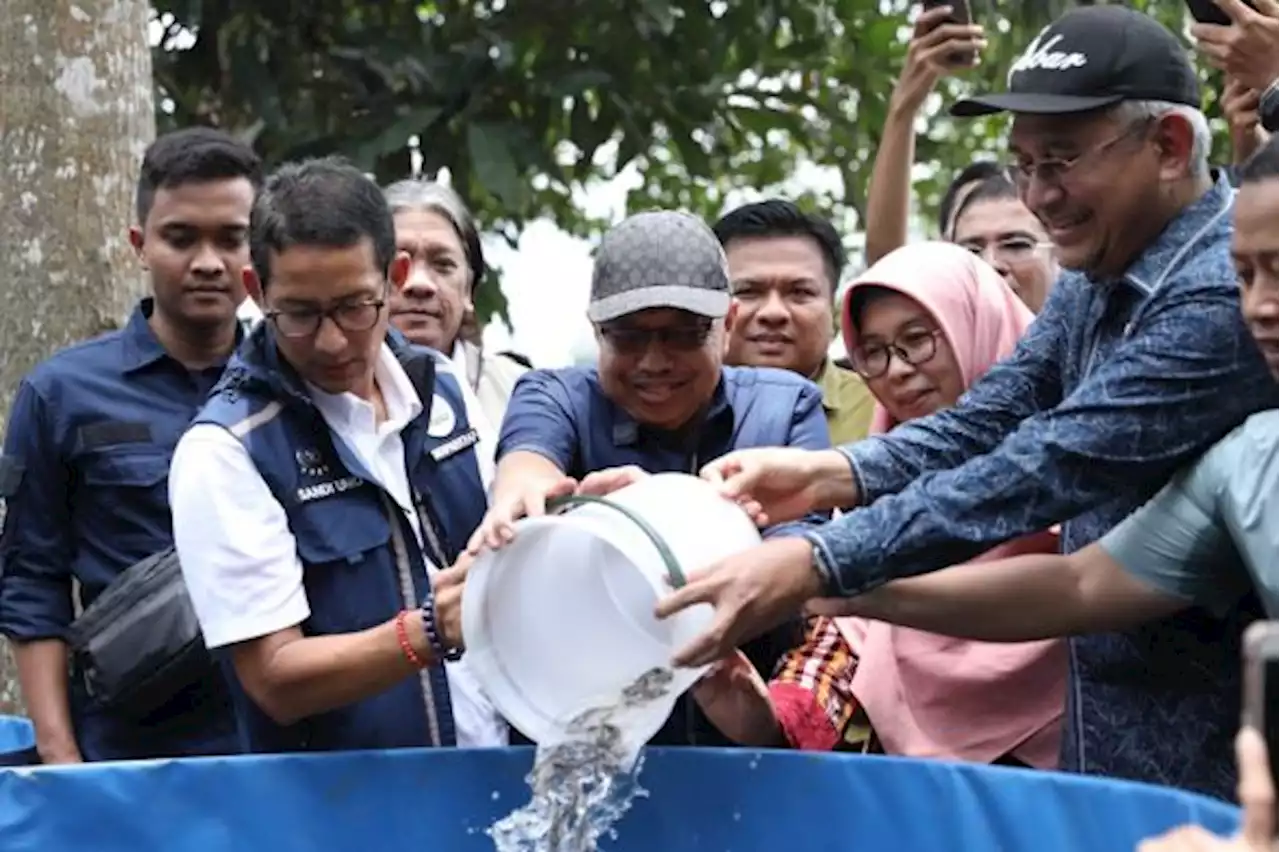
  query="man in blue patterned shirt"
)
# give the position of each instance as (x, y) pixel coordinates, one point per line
(1137, 364)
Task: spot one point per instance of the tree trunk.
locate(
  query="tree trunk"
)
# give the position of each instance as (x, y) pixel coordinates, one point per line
(76, 112)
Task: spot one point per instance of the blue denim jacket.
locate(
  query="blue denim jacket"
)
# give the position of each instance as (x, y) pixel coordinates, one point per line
(1116, 385)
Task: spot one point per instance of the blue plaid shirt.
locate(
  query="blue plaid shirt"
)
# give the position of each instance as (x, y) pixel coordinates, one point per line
(1116, 385)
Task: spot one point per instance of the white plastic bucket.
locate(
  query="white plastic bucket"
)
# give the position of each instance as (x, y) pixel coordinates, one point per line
(560, 621)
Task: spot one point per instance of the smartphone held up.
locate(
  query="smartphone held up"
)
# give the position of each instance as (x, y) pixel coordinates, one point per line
(1209, 12)
(1261, 709)
(962, 14)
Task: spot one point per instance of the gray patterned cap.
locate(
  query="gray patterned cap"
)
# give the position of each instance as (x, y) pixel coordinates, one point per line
(661, 259)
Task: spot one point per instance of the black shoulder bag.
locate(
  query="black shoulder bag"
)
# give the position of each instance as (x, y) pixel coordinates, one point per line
(139, 643)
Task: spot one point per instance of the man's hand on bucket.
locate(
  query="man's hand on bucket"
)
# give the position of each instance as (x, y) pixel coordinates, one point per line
(779, 484)
(531, 499)
(447, 586)
(751, 591)
(605, 482)
(527, 500)
(1257, 797)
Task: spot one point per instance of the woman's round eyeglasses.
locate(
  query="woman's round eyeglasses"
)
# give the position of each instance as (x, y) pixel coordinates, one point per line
(914, 346)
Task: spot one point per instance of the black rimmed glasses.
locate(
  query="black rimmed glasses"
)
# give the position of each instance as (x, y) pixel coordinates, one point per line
(913, 346)
(626, 340)
(357, 316)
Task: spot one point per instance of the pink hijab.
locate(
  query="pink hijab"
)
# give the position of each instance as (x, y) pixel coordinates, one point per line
(934, 696)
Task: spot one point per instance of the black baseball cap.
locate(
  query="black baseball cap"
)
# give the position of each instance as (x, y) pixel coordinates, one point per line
(1090, 58)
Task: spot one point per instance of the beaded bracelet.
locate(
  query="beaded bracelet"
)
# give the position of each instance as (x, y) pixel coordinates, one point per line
(438, 649)
(406, 647)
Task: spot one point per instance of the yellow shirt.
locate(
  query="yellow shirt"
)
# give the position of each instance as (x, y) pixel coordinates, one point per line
(848, 403)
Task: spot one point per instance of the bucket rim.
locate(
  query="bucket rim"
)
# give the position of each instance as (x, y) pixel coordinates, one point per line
(675, 574)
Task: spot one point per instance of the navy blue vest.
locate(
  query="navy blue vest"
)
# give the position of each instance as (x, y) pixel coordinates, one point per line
(360, 557)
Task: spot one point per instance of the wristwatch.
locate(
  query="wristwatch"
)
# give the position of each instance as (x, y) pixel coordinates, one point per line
(1268, 108)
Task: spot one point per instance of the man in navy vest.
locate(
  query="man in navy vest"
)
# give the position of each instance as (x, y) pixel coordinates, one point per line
(323, 492)
(659, 400)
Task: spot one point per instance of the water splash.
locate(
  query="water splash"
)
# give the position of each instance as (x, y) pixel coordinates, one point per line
(585, 783)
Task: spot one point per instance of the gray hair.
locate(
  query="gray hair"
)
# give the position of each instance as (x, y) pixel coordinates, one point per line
(415, 194)
(1202, 138)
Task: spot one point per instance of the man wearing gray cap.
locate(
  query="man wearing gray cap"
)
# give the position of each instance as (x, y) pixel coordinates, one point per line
(659, 400)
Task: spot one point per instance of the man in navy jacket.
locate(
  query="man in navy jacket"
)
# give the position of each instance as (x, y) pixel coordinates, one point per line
(659, 400)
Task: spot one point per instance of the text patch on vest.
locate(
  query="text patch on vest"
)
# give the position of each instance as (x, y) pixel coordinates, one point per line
(453, 446)
(320, 490)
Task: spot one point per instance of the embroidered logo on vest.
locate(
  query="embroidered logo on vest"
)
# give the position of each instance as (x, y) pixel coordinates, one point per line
(311, 463)
(442, 421)
(1043, 56)
(312, 466)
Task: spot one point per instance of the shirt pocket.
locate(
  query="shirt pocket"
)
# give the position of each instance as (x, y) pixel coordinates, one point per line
(348, 569)
(124, 500)
(127, 469)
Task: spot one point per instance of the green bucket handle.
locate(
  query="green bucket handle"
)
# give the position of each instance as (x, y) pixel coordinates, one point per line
(676, 576)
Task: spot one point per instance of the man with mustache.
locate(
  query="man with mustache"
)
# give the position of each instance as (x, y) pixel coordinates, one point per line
(1209, 537)
(1138, 363)
(784, 266)
(90, 438)
(436, 306)
(658, 400)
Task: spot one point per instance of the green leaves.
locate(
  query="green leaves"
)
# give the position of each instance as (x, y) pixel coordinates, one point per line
(520, 100)
(412, 122)
(492, 161)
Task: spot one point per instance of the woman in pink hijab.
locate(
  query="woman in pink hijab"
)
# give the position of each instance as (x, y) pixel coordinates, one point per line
(921, 326)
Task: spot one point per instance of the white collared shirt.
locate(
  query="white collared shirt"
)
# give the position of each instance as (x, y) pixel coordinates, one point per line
(486, 429)
(239, 557)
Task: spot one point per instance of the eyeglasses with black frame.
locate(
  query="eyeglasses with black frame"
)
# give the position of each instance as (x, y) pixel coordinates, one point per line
(627, 340)
(915, 345)
(356, 316)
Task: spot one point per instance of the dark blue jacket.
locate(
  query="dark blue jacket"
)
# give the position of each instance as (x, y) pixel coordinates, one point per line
(565, 416)
(361, 561)
(85, 476)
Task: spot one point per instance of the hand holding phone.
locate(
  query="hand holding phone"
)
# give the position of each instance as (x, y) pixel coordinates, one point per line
(1261, 709)
(1240, 37)
(961, 15)
(1209, 12)
(938, 47)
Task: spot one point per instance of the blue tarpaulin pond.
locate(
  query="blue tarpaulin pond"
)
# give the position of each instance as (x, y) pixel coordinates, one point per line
(705, 800)
(17, 742)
